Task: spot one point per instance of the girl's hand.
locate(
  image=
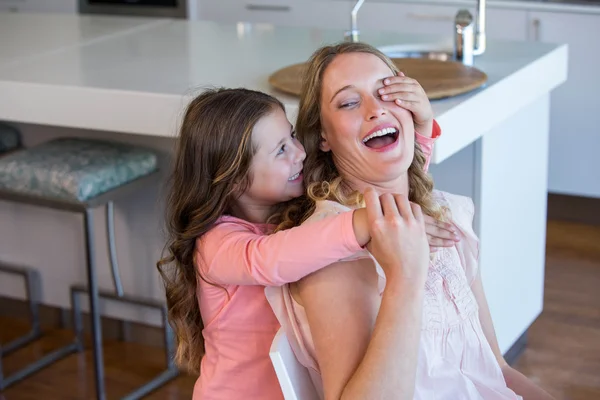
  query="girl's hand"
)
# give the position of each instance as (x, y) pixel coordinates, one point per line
(408, 94)
(440, 234)
(398, 238)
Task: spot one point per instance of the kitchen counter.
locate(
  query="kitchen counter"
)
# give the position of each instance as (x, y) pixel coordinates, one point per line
(28, 36)
(143, 77)
(132, 83)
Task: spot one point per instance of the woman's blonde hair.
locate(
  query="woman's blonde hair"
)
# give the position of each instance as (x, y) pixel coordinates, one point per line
(321, 177)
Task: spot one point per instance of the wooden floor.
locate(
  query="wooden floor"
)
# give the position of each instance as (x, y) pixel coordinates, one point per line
(563, 353)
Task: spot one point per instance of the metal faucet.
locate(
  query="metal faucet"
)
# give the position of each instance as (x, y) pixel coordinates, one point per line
(480, 38)
(352, 34)
(469, 34)
(464, 37)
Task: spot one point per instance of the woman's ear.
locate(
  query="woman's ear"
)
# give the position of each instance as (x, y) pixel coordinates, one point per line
(324, 145)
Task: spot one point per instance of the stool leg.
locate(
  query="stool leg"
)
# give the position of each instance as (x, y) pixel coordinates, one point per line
(32, 284)
(114, 264)
(94, 309)
(31, 278)
(110, 232)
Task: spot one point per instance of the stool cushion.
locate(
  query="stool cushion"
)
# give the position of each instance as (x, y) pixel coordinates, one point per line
(74, 169)
(9, 138)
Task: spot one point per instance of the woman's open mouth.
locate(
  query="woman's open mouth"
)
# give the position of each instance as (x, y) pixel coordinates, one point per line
(382, 139)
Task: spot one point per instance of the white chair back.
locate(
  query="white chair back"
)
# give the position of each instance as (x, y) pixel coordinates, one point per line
(293, 377)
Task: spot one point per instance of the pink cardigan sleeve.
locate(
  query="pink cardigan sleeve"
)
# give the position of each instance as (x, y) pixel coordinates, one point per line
(235, 253)
(427, 143)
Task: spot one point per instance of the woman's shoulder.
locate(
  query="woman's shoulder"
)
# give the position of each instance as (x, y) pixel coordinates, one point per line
(326, 208)
(455, 202)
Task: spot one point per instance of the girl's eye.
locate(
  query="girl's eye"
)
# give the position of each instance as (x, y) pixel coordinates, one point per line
(294, 134)
(281, 150)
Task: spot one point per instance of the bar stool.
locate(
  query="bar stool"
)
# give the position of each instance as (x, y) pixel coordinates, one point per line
(80, 175)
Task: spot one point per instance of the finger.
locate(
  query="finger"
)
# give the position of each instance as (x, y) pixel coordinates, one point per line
(399, 87)
(408, 104)
(399, 79)
(436, 242)
(373, 205)
(403, 96)
(440, 224)
(403, 206)
(417, 212)
(434, 230)
(389, 205)
(440, 229)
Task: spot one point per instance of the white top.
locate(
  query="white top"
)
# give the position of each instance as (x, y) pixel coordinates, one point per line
(139, 81)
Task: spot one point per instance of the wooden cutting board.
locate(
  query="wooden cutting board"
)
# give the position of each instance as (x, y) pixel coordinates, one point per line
(440, 79)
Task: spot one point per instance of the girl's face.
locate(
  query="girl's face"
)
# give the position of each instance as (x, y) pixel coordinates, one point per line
(372, 141)
(276, 167)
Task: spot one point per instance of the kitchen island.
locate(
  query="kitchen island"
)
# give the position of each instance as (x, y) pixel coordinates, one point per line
(132, 85)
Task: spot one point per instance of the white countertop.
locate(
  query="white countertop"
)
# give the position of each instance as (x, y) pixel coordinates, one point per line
(26, 36)
(138, 81)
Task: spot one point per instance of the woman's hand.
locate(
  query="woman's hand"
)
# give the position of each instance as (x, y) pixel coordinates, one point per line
(440, 234)
(408, 94)
(398, 238)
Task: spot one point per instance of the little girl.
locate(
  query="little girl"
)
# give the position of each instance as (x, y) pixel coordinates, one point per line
(237, 160)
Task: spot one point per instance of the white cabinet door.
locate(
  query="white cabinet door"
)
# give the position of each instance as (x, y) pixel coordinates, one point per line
(575, 119)
(35, 6)
(438, 19)
(319, 14)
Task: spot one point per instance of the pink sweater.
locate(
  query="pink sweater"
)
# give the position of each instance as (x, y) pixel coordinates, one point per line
(239, 259)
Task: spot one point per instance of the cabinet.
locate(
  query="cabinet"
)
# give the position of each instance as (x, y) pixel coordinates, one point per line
(439, 19)
(574, 166)
(319, 14)
(34, 6)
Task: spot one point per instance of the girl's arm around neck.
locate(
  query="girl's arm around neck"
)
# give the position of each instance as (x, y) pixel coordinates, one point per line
(366, 344)
(233, 254)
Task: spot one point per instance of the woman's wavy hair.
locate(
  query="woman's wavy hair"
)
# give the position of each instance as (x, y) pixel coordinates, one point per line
(321, 177)
(212, 159)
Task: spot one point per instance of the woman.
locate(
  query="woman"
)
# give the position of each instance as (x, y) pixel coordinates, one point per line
(383, 332)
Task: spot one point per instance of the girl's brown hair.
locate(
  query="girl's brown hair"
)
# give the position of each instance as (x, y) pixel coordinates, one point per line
(212, 159)
(321, 177)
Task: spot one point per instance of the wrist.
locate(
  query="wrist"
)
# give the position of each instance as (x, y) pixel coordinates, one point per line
(425, 129)
(407, 285)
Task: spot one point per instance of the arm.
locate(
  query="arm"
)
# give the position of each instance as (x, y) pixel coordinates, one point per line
(363, 353)
(427, 141)
(407, 93)
(232, 254)
(516, 381)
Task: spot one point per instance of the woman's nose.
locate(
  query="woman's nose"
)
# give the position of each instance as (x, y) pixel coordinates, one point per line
(374, 108)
